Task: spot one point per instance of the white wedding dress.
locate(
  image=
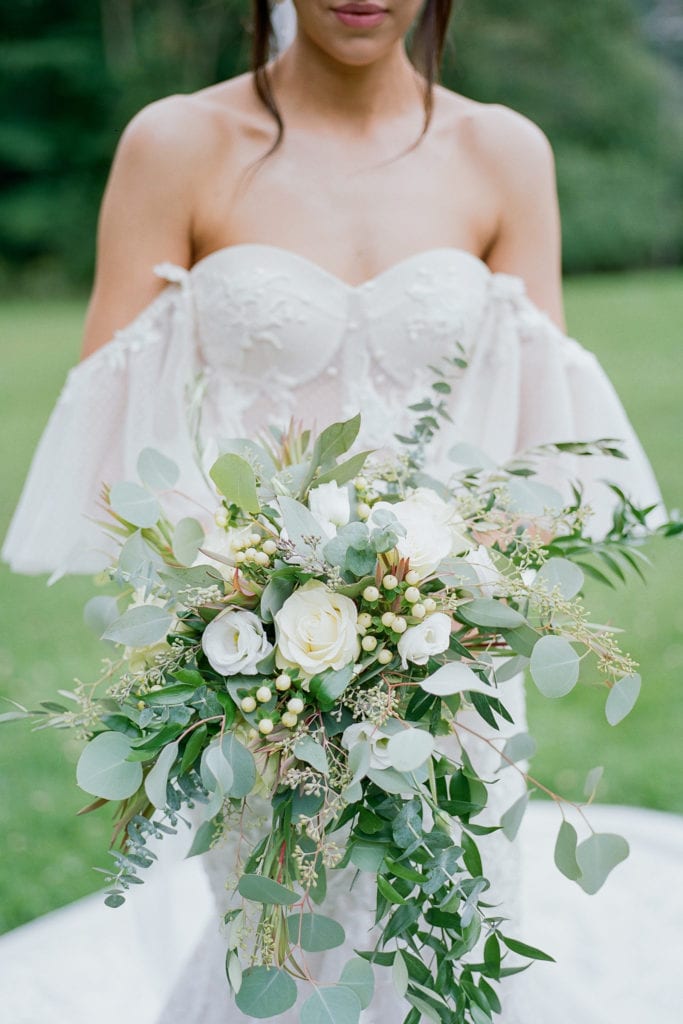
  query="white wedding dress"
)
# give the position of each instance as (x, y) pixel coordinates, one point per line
(254, 334)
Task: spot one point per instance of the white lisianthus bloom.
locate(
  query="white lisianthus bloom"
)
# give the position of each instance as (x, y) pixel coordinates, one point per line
(330, 505)
(360, 732)
(420, 642)
(316, 630)
(487, 574)
(235, 641)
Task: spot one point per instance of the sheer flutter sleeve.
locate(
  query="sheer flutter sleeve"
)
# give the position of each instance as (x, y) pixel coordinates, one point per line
(135, 391)
(527, 384)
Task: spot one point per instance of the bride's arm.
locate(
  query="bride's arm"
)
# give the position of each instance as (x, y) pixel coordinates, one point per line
(521, 166)
(145, 217)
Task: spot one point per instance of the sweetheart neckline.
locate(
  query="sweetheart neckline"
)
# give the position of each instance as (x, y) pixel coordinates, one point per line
(393, 268)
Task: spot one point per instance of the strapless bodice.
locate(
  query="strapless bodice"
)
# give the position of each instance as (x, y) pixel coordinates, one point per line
(253, 335)
(287, 338)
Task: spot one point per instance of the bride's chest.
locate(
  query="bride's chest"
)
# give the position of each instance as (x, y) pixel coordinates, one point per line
(266, 313)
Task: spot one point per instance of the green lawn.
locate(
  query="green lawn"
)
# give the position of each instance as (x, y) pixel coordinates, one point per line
(632, 321)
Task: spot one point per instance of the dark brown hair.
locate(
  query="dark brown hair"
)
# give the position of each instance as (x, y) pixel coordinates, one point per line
(425, 51)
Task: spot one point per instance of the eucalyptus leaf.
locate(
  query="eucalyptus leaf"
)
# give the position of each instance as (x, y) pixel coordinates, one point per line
(103, 770)
(560, 573)
(554, 666)
(409, 749)
(265, 890)
(253, 453)
(300, 523)
(331, 1004)
(139, 626)
(243, 766)
(314, 932)
(203, 838)
(135, 504)
(490, 614)
(518, 748)
(274, 595)
(621, 698)
(593, 781)
(358, 975)
(156, 470)
(215, 769)
(187, 539)
(309, 750)
(235, 480)
(266, 992)
(156, 780)
(533, 498)
(99, 613)
(512, 818)
(565, 851)
(597, 856)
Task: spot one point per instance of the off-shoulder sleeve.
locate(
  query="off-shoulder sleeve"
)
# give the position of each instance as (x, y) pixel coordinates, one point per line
(527, 384)
(132, 392)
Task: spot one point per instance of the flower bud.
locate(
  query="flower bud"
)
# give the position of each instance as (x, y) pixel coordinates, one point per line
(412, 577)
(249, 554)
(365, 620)
(263, 694)
(399, 624)
(289, 720)
(371, 594)
(419, 611)
(221, 518)
(265, 726)
(363, 510)
(368, 643)
(388, 618)
(295, 705)
(283, 682)
(429, 604)
(248, 704)
(412, 595)
(254, 538)
(261, 558)
(390, 582)
(384, 656)
(269, 546)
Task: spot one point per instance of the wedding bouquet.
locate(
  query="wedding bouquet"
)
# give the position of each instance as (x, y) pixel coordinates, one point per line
(308, 653)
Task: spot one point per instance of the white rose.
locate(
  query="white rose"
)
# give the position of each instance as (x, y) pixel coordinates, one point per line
(235, 641)
(445, 515)
(330, 505)
(317, 629)
(431, 636)
(431, 528)
(487, 574)
(361, 732)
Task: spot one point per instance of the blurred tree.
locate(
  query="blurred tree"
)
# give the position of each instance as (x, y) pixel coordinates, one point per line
(610, 106)
(594, 74)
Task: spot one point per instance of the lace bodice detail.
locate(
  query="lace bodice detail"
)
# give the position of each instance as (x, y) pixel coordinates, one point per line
(301, 342)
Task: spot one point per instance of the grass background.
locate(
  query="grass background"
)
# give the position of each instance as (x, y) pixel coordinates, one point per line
(632, 321)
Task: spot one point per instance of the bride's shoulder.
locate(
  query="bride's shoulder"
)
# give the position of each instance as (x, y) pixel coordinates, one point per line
(496, 134)
(184, 124)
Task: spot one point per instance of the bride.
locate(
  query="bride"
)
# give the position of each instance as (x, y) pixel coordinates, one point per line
(306, 239)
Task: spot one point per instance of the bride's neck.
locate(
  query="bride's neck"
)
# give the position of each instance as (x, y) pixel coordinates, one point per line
(312, 85)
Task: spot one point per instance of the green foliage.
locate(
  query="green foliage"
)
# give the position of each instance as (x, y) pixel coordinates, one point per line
(73, 75)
